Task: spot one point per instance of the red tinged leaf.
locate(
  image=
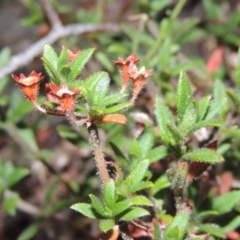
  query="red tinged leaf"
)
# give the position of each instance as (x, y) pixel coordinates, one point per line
(112, 118)
(215, 60)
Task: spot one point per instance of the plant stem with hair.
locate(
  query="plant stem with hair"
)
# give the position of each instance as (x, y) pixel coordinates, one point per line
(97, 149)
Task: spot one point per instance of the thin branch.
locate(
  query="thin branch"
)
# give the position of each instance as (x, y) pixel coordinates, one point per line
(24, 58)
(51, 14)
(99, 157)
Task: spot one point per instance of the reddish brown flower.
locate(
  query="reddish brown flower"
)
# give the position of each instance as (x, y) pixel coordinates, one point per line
(29, 85)
(138, 77)
(72, 56)
(124, 66)
(63, 95)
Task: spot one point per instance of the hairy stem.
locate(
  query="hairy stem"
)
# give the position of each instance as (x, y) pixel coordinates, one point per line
(99, 157)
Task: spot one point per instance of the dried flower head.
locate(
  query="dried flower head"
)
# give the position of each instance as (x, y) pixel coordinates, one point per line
(29, 85)
(124, 66)
(63, 95)
(139, 78)
(72, 56)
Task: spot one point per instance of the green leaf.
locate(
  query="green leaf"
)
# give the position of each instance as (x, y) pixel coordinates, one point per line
(204, 155)
(139, 186)
(135, 212)
(97, 204)
(29, 232)
(232, 225)
(51, 71)
(18, 174)
(5, 54)
(138, 172)
(164, 117)
(50, 61)
(140, 200)
(205, 123)
(121, 207)
(226, 202)
(157, 231)
(157, 154)
(238, 70)
(79, 62)
(184, 95)
(110, 194)
(214, 108)
(117, 107)
(161, 183)
(213, 229)
(28, 136)
(51, 189)
(120, 156)
(104, 60)
(181, 222)
(85, 209)
(10, 204)
(106, 224)
(100, 89)
(189, 118)
(63, 61)
(146, 141)
(176, 134)
(114, 98)
(203, 105)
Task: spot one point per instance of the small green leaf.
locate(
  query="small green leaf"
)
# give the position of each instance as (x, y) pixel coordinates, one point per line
(226, 202)
(100, 89)
(110, 194)
(213, 229)
(189, 118)
(181, 222)
(104, 60)
(121, 207)
(138, 172)
(79, 62)
(28, 136)
(203, 105)
(63, 62)
(176, 134)
(205, 123)
(10, 204)
(120, 156)
(232, 225)
(157, 154)
(238, 70)
(135, 212)
(146, 141)
(161, 183)
(106, 224)
(164, 117)
(117, 107)
(140, 186)
(29, 232)
(184, 95)
(214, 108)
(204, 155)
(18, 174)
(114, 98)
(157, 231)
(140, 200)
(97, 204)
(85, 209)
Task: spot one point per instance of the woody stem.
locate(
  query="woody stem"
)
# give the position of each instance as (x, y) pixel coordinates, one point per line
(99, 157)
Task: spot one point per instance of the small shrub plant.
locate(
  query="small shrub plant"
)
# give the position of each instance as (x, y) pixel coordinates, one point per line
(130, 193)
